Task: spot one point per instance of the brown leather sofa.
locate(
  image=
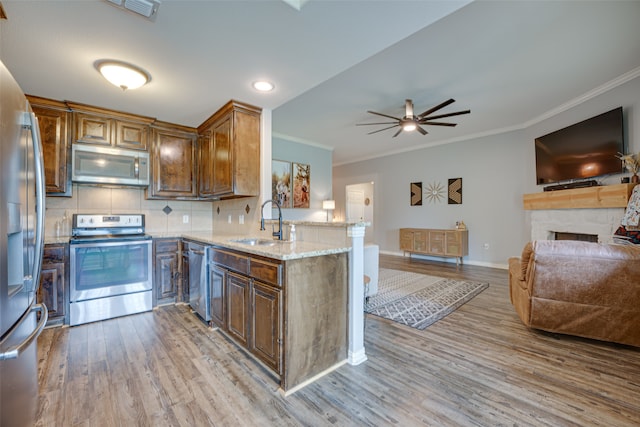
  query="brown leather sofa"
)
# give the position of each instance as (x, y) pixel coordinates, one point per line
(586, 289)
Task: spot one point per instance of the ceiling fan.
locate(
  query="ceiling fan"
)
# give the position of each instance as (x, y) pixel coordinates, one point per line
(411, 122)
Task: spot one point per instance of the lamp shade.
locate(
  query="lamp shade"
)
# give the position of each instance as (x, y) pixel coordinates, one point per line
(123, 75)
(329, 204)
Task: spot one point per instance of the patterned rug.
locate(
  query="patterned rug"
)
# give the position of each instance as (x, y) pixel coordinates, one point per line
(418, 300)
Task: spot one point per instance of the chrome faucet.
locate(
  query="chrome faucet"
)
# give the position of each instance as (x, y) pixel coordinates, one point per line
(278, 233)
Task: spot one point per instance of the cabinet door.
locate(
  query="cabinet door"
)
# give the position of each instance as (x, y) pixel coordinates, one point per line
(52, 291)
(132, 135)
(217, 278)
(166, 276)
(436, 242)
(173, 165)
(406, 240)
(420, 240)
(205, 163)
(238, 307)
(93, 129)
(184, 276)
(453, 246)
(54, 132)
(222, 157)
(266, 320)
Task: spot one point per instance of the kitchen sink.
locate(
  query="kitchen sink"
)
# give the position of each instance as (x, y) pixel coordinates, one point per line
(258, 242)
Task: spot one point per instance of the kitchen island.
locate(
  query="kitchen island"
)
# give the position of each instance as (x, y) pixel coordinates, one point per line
(283, 302)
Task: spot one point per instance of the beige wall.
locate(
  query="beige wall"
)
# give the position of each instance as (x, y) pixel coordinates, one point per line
(88, 199)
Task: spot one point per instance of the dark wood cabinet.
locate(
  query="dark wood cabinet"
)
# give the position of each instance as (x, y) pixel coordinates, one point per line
(217, 279)
(165, 270)
(233, 144)
(266, 321)
(99, 126)
(205, 165)
(53, 291)
(173, 163)
(184, 272)
(238, 306)
(54, 119)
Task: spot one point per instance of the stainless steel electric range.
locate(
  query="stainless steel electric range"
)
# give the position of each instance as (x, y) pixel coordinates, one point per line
(111, 267)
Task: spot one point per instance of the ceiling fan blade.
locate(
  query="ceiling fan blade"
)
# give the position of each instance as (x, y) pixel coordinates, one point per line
(440, 116)
(382, 123)
(397, 133)
(380, 130)
(425, 122)
(422, 131)
(437, 107)
(384, 115)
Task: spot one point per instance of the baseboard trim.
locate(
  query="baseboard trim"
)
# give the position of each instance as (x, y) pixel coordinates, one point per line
(451, 260)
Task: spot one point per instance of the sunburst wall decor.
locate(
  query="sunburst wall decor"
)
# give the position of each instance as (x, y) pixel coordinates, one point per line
(434, 192)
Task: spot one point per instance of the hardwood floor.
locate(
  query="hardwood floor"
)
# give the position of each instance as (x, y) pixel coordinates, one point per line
(477, 367)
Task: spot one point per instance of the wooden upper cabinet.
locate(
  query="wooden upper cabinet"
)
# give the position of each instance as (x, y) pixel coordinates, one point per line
(173, 163)
(54, 120)
(132, 135)
(99, 126)
(205, 165)
(234, 152)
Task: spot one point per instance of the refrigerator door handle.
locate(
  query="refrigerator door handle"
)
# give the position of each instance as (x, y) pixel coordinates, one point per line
(40, 200)
(14, 352)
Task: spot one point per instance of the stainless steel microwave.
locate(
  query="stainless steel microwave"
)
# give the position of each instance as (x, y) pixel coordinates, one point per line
(107, 165)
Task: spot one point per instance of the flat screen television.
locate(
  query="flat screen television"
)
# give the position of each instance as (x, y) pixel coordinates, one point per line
(584, 150)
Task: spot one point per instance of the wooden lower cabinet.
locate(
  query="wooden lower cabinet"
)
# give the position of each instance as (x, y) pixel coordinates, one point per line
(266, 321)
(54, 288)
(218, 281)
(435, 242)
(184, 271)
(238, 307)
(166, 276)
(291, 315)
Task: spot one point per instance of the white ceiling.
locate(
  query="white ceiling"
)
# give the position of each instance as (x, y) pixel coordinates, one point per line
(510, 62)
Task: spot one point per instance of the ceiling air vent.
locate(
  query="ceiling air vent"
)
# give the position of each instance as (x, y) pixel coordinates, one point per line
(146, 8)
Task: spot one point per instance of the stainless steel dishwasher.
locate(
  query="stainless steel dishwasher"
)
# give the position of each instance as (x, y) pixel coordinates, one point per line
(199, 289)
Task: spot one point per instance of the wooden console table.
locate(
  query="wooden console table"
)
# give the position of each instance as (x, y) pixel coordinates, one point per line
(435, 242)
(604, 196)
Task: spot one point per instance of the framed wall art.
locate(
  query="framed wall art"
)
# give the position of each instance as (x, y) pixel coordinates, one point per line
(281, 182)
(416, 194)
(455, 191)
(301, 185)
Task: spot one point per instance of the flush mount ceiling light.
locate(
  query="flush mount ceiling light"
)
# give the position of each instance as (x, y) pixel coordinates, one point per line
(123, 75)
(263, 86)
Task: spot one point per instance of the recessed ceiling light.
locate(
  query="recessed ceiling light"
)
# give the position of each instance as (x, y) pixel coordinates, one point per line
(263, 86)
(123, 75)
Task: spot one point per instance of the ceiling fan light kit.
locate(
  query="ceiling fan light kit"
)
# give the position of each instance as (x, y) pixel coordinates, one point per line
(411, 122)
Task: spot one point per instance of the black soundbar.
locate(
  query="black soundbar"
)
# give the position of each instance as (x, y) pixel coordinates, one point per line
(578, 184)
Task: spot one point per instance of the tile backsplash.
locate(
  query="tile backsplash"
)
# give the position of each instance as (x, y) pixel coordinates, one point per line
(89, 199)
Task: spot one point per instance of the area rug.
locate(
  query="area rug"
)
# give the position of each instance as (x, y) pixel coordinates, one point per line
(419, 300)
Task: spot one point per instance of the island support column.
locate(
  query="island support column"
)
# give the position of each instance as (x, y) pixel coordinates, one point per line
(356, 353)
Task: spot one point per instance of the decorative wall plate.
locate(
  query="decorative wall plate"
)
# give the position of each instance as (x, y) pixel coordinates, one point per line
(434, 192)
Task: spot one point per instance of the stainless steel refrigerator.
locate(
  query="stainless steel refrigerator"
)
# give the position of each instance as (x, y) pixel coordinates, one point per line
(21, 245)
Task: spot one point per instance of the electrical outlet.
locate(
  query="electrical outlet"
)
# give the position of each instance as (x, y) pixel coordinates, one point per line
(229, 219)
(185, 219)
(485, 246)
(241, 219)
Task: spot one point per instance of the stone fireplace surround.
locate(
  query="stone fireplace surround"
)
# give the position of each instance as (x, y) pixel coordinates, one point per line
(596, 211)
(601, 222)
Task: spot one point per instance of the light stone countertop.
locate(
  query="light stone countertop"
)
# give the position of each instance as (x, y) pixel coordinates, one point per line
(282, 250)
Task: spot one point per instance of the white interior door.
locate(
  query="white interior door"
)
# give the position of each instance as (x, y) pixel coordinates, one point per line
(355, 205)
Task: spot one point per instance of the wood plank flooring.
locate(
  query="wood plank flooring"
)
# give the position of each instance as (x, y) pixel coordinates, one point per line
(477, 367)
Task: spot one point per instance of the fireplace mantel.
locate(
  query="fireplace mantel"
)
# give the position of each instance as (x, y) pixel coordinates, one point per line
(605, 196)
